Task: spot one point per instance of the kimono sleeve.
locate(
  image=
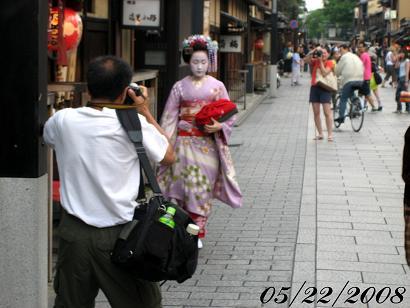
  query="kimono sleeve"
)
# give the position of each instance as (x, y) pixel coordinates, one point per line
(169, 119)
(228, 124)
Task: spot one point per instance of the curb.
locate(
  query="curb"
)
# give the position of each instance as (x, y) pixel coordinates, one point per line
(245, 113)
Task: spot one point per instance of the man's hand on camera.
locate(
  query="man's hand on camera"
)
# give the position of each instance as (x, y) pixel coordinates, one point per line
(140, 102)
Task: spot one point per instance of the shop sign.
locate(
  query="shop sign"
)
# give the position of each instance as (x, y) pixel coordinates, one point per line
(230, 43)
(144, 14)
(390, 14)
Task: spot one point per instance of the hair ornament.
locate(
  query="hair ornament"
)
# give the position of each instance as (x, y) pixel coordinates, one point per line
(205, 42)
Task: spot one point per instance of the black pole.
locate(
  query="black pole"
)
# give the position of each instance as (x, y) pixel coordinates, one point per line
(197, 16)
(274, 34)
(24, 88)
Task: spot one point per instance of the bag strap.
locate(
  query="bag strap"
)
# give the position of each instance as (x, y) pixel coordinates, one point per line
(131, 123)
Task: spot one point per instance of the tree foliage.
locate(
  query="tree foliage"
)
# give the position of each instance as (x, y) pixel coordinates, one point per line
(336, 13)
(291, 8)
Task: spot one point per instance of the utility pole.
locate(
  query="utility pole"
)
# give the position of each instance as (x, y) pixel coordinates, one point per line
(274, 49)
(23, 177)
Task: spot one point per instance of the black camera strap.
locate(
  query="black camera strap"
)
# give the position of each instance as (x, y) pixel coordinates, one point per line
(131, 123)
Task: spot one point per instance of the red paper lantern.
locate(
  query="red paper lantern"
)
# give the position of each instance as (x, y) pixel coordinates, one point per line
(259, 43)
(72, 29)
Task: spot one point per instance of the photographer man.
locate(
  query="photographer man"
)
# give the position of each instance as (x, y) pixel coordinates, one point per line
(350, 70)
(100, 175)
(319, 61)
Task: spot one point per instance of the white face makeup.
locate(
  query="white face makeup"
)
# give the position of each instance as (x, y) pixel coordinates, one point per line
(199, 64)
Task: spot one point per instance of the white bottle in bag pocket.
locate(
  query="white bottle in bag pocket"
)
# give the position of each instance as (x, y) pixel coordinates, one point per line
(192, 229)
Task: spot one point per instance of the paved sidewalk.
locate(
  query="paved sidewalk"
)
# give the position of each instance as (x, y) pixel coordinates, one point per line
(314, 211)
(351, 223)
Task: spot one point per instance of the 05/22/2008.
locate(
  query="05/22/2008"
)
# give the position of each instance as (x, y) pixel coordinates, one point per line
(324, 296)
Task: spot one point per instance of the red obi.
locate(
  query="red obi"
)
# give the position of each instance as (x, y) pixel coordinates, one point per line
(194, 131)
(220, 110)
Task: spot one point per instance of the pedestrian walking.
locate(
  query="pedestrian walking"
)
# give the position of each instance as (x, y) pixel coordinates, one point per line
(318, 58)
(204, 169)
(287, 58)
(375, 81)
(403, 79)
(367, 74)
(296, 64)
(100, 175)
(390, 60)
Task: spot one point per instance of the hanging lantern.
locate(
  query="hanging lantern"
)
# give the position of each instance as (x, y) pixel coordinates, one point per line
(259, 43)
(72, 29)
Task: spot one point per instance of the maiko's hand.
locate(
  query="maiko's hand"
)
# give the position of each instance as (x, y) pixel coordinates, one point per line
(214, 127)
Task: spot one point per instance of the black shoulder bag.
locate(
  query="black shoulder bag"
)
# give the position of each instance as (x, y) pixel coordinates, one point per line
(150, 249)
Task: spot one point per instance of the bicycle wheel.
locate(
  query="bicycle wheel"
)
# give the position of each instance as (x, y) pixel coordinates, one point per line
(356, 114)
(336, 108)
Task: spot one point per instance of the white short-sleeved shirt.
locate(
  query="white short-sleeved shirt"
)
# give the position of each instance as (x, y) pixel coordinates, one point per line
(388, 59)
(98, 165)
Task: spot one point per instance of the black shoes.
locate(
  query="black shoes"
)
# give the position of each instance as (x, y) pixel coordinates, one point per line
(340, 120)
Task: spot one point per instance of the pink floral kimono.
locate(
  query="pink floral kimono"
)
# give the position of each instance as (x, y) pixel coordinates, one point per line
(204, 168)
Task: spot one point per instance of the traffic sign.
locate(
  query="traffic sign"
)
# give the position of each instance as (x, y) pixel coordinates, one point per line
(294, 24)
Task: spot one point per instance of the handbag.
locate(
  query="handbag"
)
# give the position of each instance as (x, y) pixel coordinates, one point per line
(404, 97)
(147, 247)
(328, 82)
(377, 78)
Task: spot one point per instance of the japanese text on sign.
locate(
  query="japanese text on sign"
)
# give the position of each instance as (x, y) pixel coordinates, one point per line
(141, 13)
(230, 43)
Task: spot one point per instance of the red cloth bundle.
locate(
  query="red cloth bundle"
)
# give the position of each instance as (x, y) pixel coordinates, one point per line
(220, 110)
(404, 97)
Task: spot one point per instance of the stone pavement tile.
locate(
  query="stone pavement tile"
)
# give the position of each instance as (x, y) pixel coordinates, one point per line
(307, 236)
(387, 278)
(382, 258)
(102, 305)
(176, 295)
(360, 266)
(382, 235)
(236, 303)
(334, 239)
(335, 211)
(170, 302)
(377, 241)
(353, 219)
(335, 225)
(304, 271)
(377, 227)
(338, 276)
(397, 234)
(387, 214)
(305, 252)
(358, 248)
(343, 256)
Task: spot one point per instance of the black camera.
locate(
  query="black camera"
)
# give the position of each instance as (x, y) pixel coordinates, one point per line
(137, 90)
(317, 53)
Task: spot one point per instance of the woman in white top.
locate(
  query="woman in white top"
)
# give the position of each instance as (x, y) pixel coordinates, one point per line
(403, 79)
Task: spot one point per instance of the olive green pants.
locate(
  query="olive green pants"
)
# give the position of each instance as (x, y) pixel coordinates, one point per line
(84, 267)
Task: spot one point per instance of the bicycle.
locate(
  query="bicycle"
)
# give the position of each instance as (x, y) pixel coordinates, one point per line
(355, 110)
